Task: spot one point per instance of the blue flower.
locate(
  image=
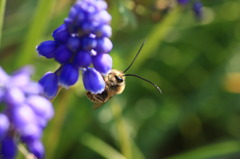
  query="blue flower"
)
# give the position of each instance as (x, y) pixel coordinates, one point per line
(81, 41)
(49, 83)
(24, 109)
(47, 48)
(102, 63)
(93, 80)
(68, 75)
(8, 148)
(183, 2)
(197, 8)
(4, 125)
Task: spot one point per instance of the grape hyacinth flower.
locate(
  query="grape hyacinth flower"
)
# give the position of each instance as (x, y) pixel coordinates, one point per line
(182, 2)
(80, 42)
(196, 7)
(24, 113)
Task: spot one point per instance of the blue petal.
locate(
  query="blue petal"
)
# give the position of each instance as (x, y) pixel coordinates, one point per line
(41, 106)
(103, 31)
(89, 43)
(3, 76)
(68, 75)
(197, 8)
(73, 44)
(4, 125)
(8, 148)
(93, 81)
(82, 59)
(36, 147)
(49, 83)
(63, 54)
(104, 45)
(61, 34)
(102, 63)
(183, 2)
(47, 48)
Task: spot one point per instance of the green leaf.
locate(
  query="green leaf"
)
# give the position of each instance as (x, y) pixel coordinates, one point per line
(40, 20)
(2, 11)
(211, 151)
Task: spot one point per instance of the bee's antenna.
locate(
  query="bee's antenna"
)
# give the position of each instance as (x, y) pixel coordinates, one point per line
(145, 80)
(135, 56)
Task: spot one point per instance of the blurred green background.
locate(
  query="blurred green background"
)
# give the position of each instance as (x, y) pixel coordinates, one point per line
(195, 63)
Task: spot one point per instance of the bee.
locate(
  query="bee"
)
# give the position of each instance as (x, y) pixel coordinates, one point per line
(115, 84)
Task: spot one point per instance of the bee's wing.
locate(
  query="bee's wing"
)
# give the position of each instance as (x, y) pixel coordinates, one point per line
(97, 105)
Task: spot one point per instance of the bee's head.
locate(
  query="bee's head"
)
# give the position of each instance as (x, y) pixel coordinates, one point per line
(116, 77)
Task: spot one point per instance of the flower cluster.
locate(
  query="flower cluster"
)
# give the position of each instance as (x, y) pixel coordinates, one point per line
(24, 113)
(197, 7)
(80, 42)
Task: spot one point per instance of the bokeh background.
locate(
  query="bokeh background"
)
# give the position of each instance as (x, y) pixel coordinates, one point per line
(195, 62)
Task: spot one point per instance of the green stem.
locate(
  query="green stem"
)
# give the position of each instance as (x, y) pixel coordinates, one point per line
(100, 147)
(2, 11)
(51, 139)
(212, 151)
(123, 134)
(39, 22)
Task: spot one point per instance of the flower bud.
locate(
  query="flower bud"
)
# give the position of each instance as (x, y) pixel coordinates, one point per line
(63, 54)
(93, 81)
(47, 48)
(4, 125)
(68, 75)
(49, 83)
(8, 148)
(104, 45)
(102, 63)
(61, 34)
(82, 59)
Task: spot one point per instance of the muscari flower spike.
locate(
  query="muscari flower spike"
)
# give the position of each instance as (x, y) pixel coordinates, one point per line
(24, 114)
(80, 42)
(196, 7)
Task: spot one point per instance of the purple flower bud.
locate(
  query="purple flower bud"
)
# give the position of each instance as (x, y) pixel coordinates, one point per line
(73, 12)
(68, 75)
(103, 31)
(100, 5)
(36, 147)
(32, 88)
(104, 45)
(30, 132)
(3, 76)
(63, 54)
(14, 96)
(70, 25)
(22, 77)
(41, 106)
(73, 44)
(183, 2)
(102, 63)
(49, 82)
(23, 115)
(89, 43)
(82, 59)
(4, 125)
(93, 81)
(103, 17)
(61, 34)
(47, 49)
(197, 8)
(8, 148)
(88, 27)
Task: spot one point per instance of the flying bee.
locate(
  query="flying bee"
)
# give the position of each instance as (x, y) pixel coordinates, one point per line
(115, 84)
